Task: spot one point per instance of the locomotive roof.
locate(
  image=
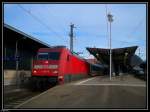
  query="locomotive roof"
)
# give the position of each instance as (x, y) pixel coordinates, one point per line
(118, 54)
(62, 47)
(75, 54)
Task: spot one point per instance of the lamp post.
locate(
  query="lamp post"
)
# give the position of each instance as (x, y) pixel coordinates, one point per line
(110, 20)
(17, 61)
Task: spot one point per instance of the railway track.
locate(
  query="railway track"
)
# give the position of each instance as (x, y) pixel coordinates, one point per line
(14, 99)
(15, 103)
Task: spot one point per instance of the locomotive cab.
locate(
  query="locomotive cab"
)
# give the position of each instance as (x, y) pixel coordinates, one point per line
(45, 70)
(46, 64)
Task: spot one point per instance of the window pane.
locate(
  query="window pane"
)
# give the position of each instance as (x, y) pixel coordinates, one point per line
(48, 56)
(54, 55)
(43, 56)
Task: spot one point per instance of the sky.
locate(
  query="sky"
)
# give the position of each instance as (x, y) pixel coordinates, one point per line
(50, 23)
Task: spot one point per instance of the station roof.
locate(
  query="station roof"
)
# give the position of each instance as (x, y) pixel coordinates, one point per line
(118, 54)
(17, 34)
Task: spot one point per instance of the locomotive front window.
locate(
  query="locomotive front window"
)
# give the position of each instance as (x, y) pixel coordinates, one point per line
(48, 56)
(42, 56)
(54, 55)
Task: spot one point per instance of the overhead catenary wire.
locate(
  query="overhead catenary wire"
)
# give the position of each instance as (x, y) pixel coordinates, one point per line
(136, 27)
(57, 21)
(41, 22)
(104, 37)
(134, 31)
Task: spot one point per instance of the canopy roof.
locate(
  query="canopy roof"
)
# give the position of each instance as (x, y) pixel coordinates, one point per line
(119, 55)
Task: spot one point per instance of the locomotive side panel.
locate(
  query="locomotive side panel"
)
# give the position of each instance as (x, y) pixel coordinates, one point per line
(63, 66)
(76, 68)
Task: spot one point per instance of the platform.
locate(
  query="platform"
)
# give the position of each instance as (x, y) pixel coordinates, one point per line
(96, 92)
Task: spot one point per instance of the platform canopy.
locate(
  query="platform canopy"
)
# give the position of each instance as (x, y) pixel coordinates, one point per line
(119, 55)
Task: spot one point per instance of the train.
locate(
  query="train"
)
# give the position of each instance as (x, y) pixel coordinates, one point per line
(58, 65)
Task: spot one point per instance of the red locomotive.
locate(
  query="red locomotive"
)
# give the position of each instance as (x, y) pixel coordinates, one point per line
(57, 65)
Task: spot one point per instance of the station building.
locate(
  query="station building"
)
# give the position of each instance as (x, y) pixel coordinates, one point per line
(21, 47)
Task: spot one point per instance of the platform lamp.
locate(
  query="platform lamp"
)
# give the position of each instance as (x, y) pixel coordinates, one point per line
(110, 19)
(17, 60)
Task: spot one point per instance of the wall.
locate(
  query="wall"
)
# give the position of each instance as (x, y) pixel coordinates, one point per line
(10, 77)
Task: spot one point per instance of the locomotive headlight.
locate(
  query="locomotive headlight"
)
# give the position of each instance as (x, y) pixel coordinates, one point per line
(60, 77)
(34, 71)
(46, 62)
